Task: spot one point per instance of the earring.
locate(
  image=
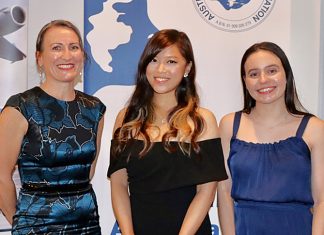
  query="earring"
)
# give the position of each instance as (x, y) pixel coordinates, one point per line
(41, 75)
(185, 75)
(79, 78)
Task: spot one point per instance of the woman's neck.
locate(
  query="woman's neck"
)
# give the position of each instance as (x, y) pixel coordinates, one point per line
(270, 115)
(62, 91)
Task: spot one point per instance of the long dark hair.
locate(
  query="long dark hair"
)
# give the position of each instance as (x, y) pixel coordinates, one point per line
(292, 102)
(140, 111)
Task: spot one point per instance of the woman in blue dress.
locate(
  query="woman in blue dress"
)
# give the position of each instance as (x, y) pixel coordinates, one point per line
(53, 133)
(275, 154)
(166, 155)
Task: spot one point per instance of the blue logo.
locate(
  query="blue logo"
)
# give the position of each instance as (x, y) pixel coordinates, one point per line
(234, 15)
(228, 5)
(116, 34)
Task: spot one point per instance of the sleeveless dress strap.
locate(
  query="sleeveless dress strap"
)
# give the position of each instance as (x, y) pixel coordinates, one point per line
(302, 125)
(236, 124)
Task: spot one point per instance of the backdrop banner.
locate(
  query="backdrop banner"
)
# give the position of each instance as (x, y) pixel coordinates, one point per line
(220, 31)
(13, 63)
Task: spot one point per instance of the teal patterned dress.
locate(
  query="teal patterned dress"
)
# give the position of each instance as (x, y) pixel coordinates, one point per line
(54, 164)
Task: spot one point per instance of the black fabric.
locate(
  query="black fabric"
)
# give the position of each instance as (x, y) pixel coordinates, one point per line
(160, 170)
(162, 185)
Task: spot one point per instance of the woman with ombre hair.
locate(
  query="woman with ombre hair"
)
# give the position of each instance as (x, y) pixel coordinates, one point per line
(166, 156)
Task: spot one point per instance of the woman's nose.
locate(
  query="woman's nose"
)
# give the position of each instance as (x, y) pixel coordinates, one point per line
(263, 77)
(66, 54)
(161, 68)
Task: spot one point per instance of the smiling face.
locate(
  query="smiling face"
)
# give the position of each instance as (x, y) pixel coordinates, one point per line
(61, 57)
(265, 77)
(165, 72)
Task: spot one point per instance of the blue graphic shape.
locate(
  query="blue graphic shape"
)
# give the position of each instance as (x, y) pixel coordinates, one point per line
(126, 56)
(228, 5)
(115, 230)
(215, 229)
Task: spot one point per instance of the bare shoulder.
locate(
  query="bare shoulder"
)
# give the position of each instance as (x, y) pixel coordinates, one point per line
(12, 123)
(226, 125)
(315, 125)
(211, 127)
(207, 115)
(10, 115)
(119, 119)
(314, 132)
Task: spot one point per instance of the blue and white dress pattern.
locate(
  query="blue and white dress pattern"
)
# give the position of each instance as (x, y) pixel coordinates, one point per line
(54, 164)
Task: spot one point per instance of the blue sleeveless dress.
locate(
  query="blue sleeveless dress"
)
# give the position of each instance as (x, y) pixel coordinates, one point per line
(54, 164)
(271, 185)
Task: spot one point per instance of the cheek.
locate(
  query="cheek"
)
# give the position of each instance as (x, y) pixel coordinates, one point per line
(281, 82)
(177, 73)
(79, 56)
(248, 84)
(51, 59)
(149, 70)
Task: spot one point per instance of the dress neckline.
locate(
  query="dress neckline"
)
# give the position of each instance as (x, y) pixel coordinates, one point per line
(175, 141)
(275, 143)
(59, 100)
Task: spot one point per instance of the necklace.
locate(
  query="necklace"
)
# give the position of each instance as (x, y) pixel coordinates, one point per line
(160, 121)
(160, 116)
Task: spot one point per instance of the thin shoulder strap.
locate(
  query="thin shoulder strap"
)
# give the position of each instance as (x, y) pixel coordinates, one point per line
(236, 123)
(302, 125)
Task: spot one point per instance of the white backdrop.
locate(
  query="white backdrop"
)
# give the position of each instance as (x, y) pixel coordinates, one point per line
(294, 25)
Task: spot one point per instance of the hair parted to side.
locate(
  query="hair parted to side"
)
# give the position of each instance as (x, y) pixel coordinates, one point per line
(140, 110)
(52, 24)
(292, 102)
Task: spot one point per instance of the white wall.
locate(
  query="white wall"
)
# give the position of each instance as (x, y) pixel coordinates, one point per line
(305, 53)
(321, 66)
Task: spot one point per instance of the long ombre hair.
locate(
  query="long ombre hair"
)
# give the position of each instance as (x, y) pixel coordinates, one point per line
(139, 114)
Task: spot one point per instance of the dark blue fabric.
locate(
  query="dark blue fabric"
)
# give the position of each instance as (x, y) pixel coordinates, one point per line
(271, 185)
(57, 151)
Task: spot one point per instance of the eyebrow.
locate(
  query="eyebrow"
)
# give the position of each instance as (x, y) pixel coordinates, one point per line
(59, 43)
(268, 66)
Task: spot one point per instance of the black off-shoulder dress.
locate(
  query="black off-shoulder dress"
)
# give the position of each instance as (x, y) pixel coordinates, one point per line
(162, 184)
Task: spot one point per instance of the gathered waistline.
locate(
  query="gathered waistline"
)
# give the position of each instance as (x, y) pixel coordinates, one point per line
(272, 205)
(64, 188)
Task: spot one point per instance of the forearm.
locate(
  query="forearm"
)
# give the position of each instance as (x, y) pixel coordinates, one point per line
(198, 210)
(8, 199)
(318, 219)
(122, 210)
(225, 211)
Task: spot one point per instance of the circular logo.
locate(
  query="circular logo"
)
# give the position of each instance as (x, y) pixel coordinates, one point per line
(234, 15)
